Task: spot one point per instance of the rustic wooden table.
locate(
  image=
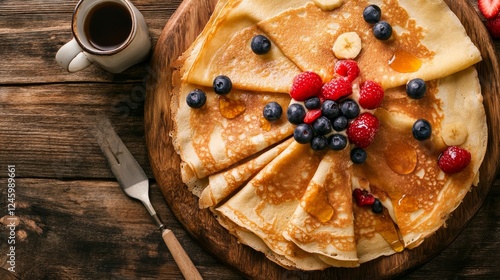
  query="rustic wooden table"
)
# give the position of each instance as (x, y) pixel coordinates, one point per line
(74, 220)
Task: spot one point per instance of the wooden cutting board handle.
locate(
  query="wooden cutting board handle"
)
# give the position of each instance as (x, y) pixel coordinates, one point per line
(185, 264)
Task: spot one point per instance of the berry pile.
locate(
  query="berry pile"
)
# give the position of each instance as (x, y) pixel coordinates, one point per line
(327, 117)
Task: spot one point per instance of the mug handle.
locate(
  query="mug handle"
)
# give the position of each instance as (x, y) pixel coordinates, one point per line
(71, 57)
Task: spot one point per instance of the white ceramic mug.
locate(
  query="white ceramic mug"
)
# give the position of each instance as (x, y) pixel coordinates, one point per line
(110, 33)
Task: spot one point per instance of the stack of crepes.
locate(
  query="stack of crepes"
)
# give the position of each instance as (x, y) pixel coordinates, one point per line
(295, 204)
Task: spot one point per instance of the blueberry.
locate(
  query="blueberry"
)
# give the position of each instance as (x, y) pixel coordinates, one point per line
(358, 155)
(260, 44)
(296, 113)
(319, 143)
(303, 133)
(339, 123)
(196, 98)
(416, 88)
(349, 108)
(337, 142)
(330, 109)
(377, 206)
(222, 84)
(382, 30)
(322, 125)
(272, 111)
(312, 103)
(421, 130)
(372, 14)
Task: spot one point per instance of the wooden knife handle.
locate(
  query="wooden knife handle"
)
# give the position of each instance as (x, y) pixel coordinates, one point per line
(185, 264)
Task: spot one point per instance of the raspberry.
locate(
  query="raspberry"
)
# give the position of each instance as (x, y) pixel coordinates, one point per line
(312, 115)
(371, 95)
(361, 131)
(454, 159)
(336, 89)
(348, 69)
(363, 197)
(493, 26)
(306, 85)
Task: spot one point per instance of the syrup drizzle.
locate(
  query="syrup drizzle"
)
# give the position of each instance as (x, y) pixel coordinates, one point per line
(404, 62)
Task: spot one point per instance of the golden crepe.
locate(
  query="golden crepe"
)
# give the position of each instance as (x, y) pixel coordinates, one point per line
(297, 205)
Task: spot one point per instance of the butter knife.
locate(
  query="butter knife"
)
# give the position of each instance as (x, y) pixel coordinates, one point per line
(135, 184)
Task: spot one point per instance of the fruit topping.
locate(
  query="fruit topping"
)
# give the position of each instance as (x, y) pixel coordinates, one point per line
(231, 108)
(196, 98)
(312, 115)
(330, 109)
(454, 159)
(489, 8)
(361, 131)
(222, 84)
(260, 44)
(382, 30)
(371, 95)
(272, 111)
(421, 130)
(339, 123)
(454, 133)
(296, 113)
(372, 14)
(416, 88)
(337, 142)
(303, 133)
(322, 126)
(328, 5)
(363, 197)
(306, 85)
(312, 103)
(319, 143)
(347, 45)
(349, 108)
(336, 89)
(348, 69)
(358, 155)
(377, 206)
(493, 26)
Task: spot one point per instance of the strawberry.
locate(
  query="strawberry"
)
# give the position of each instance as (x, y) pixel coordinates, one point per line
(489, 8)
(361, 131)
(306, 85)
(363, 197)
(312, 115)
(371, 95)
(336, 89)
(454, 159)
(493, 26)
(348, 69)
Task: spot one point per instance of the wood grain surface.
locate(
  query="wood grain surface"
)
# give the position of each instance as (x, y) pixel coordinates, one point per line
(75, 222)
(176, 37)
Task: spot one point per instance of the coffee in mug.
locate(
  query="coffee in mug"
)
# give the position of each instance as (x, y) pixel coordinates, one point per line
(111, 33)
(108, 25)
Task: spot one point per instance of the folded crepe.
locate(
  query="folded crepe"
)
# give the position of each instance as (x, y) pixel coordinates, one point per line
(428, 41)
(403, 171)
(264, 205)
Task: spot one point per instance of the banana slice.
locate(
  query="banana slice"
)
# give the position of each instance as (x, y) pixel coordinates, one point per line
(328, 5)
(454, 133)
(347, 46)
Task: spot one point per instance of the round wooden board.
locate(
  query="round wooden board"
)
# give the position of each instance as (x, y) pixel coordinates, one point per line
(182, 28)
